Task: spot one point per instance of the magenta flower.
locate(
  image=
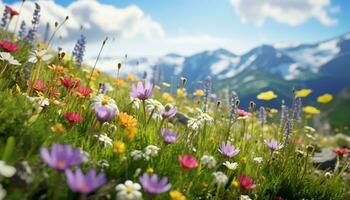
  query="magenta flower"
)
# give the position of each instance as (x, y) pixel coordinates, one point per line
(78, 182)
(227, 150)
(188, 162)
(152, 185)
(246, 182)
(104, 113)
(141, 92)
(169, 136)
(61, 156)
(273, 144)
(169, 112)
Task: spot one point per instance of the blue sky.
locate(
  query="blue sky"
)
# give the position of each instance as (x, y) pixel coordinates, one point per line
(220, 19)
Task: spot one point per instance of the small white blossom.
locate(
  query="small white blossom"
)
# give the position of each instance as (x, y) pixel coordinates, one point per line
(137, 172)
(244, 197)
(104, 100)
(208, 161)
(38, 56)
(258, 159)
(25, 172)
(2, 192)
(135, 102)
(39, 101)
(5, 56)
(6, 170)
(136, 154)
(156, 107)
(129, 191)
(230, 166)
(151, 150)
(107, 141)
(220, 178)
(103, 163)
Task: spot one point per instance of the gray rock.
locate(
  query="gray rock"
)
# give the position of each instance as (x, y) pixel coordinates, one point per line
(325, 159)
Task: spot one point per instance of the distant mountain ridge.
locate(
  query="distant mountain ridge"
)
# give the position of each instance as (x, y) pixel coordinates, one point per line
(323, 66)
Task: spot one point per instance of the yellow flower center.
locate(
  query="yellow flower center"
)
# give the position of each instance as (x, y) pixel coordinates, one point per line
(105, 100)
(129, 190)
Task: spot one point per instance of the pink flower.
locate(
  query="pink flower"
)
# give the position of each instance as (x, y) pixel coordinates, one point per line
(188, 161)
(341, 151)
(8, 46)
(246, 182)
(73, 117)
(70, 82)
(39, 85)
(84, 91)
(11, 11)
(242, 113)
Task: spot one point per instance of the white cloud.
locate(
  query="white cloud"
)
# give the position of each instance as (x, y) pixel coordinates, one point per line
(130, 30)
(291, 12)
(98, 20)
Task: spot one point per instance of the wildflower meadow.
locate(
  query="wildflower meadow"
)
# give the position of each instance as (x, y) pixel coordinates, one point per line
(70, 131)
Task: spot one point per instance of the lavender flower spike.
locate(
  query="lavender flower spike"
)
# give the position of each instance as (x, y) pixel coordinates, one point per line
(262, 115)
(140, 91)
(35, 24)
(273, 144)
(227, 150)
(22, 30)
(152, 185)
(207, 86)
(61, 156)
(79, 50)
(297, 108)
(78, 182)
(5, 18)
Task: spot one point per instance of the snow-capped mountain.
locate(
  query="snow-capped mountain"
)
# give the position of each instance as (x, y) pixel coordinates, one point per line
(325, 63)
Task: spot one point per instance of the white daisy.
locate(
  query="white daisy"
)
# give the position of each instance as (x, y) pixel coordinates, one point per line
(220, 178)
(208, 161)
(258, 159)
(6, 170)
(151, 150)
(156, 107)
(136, 154)
(104, 100)
(5, 56)
(230, 166)
(107, 141)
(38, 56)
(129, 191)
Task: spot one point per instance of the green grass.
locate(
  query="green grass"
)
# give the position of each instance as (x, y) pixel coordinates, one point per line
(281, 173)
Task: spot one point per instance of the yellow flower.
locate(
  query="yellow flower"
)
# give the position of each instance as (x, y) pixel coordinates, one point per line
(119, 82)
(58, 128)
(165, 84)
(267, 96)
(167, 97)
(126, 120)
(96, 73)
(131, 77)
(198, 93)
(311, 110)
(243, 159)
(235, 184)
(150, 170)
(130, 133)
(273, 111)
(181, 92)
(58, 69)
(176, 195)
(119, 147)
(303, 92)
(326, 98)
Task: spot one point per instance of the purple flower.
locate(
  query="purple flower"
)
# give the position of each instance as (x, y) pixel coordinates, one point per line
(273, 144)
(61, 156)
(169, 135)
(169, 112)
(78, 182)
(141, 92)
(151, 184)
(228, 150)
(104, 113)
